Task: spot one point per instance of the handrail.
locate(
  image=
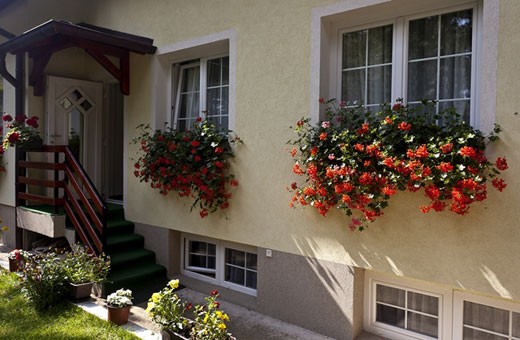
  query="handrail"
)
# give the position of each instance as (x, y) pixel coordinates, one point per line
(82, 202)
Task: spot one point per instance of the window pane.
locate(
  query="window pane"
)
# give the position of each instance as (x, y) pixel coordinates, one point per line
(212, 249)
(389, 315)
(379, 84)
(198, 261)
(422, 80)
(214, 72)
(456, 32)
(462, 107)
(455, 81)
(473, 334)
(251, 261)
(189, 105)
(235, 275)
(423, 303)
(353, 91)
(212, 262)
(354, 49)
(190, 79)
(390, 295)
(423, 324)
(224, 102)
(198, 247)
(235, 257)
(486, 317)
(423, 38)
(225, 71)
(380, 45)
(516, 324)
(251, 279)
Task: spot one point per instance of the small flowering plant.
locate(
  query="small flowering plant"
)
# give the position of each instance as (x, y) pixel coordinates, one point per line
(193, 163)
(23, 131)
(169, 311)
(120, 298)
(356, 161)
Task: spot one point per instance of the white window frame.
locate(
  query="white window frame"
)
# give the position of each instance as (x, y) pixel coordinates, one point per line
(458, 308)
(203, 88)
(400, 31)
(220, 262)
(370, 324)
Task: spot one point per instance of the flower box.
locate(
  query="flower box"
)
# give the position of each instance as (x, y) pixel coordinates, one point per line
(80, 291)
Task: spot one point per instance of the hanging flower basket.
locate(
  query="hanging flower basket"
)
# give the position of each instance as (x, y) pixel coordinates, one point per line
(356, 161)
(193, 163)
(23, 132)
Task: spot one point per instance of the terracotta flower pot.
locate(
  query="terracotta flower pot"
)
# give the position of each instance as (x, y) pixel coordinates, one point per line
(118, 315)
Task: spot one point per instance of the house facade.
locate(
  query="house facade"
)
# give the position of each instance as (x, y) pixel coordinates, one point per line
(265, 64)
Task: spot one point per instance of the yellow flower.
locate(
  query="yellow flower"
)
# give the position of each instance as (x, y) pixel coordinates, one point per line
(225, 317)
(4, 228)
(221, 326)
(206, 318)
(156, 297)
(149, 307)
(174, 284)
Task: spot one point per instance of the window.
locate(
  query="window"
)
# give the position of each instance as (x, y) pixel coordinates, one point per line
(430, 56)
(203, 89)
(227, 264)
(480, 317)
(399, 308)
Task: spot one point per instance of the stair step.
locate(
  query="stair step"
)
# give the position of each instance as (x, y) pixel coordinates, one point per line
(123, 241)
(136, 278)
(131, 258)
(115, 211)
(119, 226)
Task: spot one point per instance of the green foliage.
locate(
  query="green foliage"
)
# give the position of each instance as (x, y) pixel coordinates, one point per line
(356, 160)
(192, 163)
(166, 309)
(44, 280)
(82, 267)
(210, 322)
(21, 320)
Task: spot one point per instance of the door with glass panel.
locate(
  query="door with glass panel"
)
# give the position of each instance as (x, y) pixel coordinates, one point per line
(74, 111)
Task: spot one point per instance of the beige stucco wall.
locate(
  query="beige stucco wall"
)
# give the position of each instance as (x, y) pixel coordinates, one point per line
(273, 82)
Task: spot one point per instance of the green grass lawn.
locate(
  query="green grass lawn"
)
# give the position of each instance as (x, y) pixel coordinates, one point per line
(19, 320)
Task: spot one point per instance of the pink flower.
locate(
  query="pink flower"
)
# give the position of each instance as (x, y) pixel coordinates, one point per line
(325, 124)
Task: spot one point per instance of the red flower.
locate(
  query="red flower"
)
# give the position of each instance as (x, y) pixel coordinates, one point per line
(294, 185)
(499, 183)
(195, 143)
(214, 292)
(233, 182)
(197, 158)
(321, 100)
(219, 164)
(293, 152)
(20, 118)
(323, 136)
(501, 164)
(365, 178)
(204, 213)
(7, 118)
(397, 107)
(300, 123)
(404, 126)
(13, 137)
(446, 148)
(421, 152)
(364, 129)
(388, 120)
(389, 190)
(432, 192)
(309, 191)
(359, 147)
(445, 167)
(218, 150)
(467, 151)
(199, 119)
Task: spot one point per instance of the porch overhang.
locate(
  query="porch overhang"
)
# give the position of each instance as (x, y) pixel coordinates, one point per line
(55, 35)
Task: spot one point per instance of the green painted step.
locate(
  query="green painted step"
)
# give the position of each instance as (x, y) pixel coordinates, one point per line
(121, 242)
(119, 226)
(131, 258)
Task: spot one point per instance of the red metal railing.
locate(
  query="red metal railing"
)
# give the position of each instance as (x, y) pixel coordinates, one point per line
(72, 189)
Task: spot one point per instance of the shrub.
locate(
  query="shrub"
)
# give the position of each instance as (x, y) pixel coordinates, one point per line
(81, 266)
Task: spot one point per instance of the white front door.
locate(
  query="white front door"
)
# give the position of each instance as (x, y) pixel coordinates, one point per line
(74, 118)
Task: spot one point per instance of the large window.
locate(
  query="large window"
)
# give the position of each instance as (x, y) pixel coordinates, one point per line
(430, 56)
(203, 91)
(227, 264)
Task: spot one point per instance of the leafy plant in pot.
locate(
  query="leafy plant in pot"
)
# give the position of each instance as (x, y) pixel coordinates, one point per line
(17, 258)
(118, 304)
(83, 269)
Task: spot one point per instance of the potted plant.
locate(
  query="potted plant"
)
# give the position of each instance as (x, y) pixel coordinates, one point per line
(168, 311)
(17, 258)
(118, 304)
(22, 133)
(83, 269)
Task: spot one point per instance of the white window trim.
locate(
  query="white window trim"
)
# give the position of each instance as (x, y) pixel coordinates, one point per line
(399, 61)
(327, 20)
(203, 69)
(224, 42)
(390, 332)
(220, 262)
(458, 308)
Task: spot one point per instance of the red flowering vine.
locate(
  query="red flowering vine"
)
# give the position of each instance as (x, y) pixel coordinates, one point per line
(193, 163)
(356, 161)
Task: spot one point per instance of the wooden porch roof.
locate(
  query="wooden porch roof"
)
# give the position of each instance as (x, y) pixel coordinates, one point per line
(55, 35)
